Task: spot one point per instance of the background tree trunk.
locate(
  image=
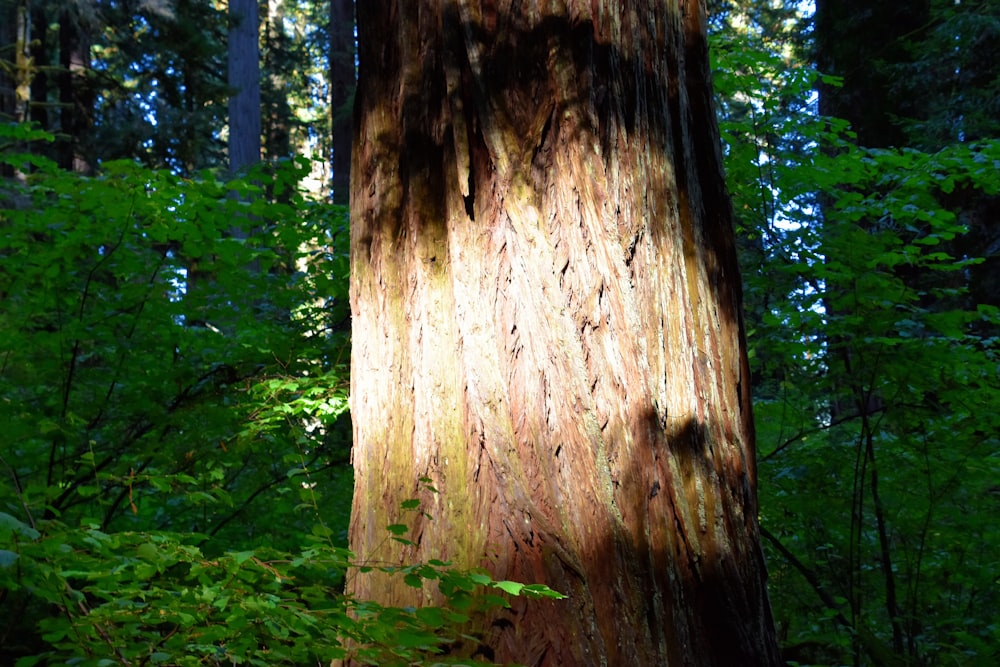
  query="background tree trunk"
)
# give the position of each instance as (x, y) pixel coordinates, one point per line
(876, 32)
(8, 43)
(76, 96)
(23, 66)
(275, 110)
(921, 75)
(342, 82)
(546, 323)
(244, 79)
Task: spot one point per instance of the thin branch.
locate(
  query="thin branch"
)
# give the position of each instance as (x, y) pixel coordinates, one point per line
(818, 429)
(875, 647)
(249, 500)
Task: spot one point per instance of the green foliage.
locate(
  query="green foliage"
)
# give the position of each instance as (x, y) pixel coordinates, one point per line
(949, 69)
(161, 83)
(156, 598)
(173, 375)
(295, 40)
(875, 376)
(160, 334)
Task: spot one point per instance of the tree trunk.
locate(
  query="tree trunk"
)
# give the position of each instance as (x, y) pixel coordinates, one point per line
(546, 323)
(275, 108)
(23, 66)
(863, 41)
(8, 80)
(342, 81)
(244, 79)
(76, 96)
(39, 49)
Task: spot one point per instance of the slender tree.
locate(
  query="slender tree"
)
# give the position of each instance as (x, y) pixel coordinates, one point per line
(342, 79)
(15, 92)
(244, 79)
(14, 67)
(546, 325)
(76, 97)
(276, 65)
(8, 45)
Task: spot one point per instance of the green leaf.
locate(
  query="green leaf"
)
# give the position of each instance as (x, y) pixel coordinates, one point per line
(11, 523)
(147, 551)
(542, 591)
(7, 558)
(398, 528)
(480, 578)
(413, 638)
(242, 556)
(460, 600)
(511, 587)
(431, 616)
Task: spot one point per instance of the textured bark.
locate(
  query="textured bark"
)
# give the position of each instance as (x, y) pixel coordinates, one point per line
(546, 323)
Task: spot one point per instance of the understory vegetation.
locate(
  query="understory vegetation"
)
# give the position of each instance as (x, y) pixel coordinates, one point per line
(174, 399)
(873, 333)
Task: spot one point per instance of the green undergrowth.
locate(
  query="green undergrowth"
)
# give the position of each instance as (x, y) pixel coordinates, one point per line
(174, 427)
(147, 598)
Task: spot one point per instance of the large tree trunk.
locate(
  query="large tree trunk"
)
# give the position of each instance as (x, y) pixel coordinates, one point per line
(546, 323)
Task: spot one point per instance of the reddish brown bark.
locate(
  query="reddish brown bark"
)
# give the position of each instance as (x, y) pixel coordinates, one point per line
(546, 324)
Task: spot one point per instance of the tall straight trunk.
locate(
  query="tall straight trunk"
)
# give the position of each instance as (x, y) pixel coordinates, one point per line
(23, 66)
(16, 72)
(8, 80)
(342, 81)
(76, 96)
(244, 79)
(39, 48)
(546, 324)
(243, 53)
(275, 110)
(863, 41)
